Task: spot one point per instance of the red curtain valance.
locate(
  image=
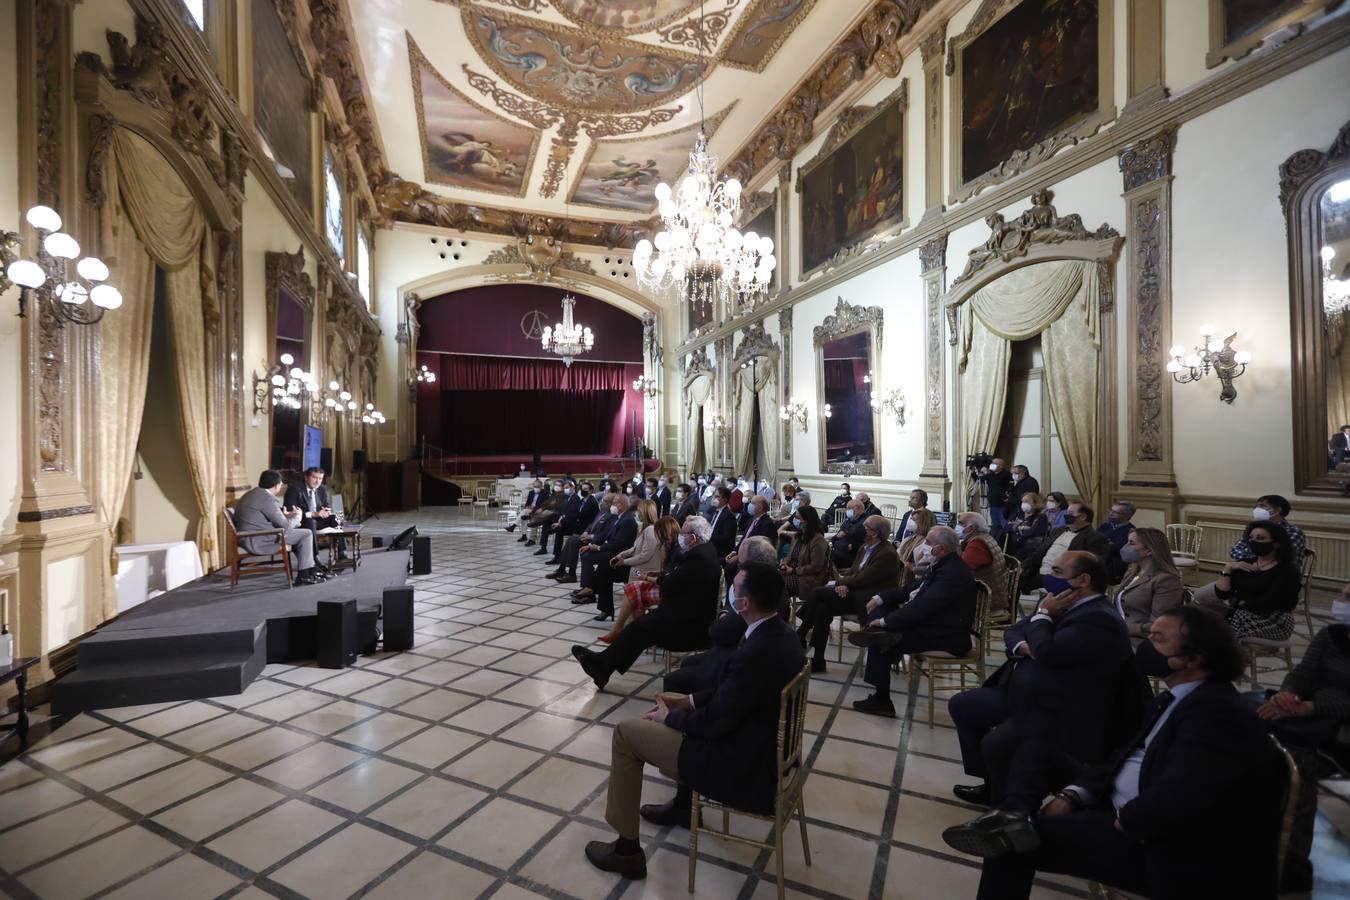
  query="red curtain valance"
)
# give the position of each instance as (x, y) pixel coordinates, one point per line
(845, 374)
(496, 373)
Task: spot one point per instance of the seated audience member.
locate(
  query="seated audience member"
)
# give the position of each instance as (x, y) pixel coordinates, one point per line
(1055, 505)
(839, 502)
(1151, 585)
(685, 503)
(260, 510)
(1077, 534)
(574, 521)
(1117, 528)
(538, 493)
(783, 522)
(981, 554)
(846, 541)
(566, 573)
(998, 483)
(869, 508)
(706, 490)
(1261, 595)
(1274, 509)
(766, 490)
(760, 525)
(917, 500)
(567, 513)
(1066, 664)
(661, 494)
(1340, 446)
(688, 604)
(723, 522)
(646, 561)
(594, 537)
(788, 494)
(311, 498)
(1309, 714)
(876, 568)
(545, 513)
(936, 613)
(1026, 528)
(1022, 484)
(808, 565)
(719, 742)
(1185, 808)
(597, 570)
(918, 521)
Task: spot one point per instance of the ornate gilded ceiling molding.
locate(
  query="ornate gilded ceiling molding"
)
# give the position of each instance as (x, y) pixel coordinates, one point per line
(337, 59)
(870, 45)
(1039, 225)
(745, 48)
(587, 14)
(540, 255)
(847, 319)
(754, 204)
(286, 271)
(701, 32)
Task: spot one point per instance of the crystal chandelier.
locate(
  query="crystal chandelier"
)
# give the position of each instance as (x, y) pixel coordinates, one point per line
(1335, 292)
(568, 339)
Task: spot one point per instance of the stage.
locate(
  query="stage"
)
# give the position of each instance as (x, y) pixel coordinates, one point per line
(507, 465)
(202, 640)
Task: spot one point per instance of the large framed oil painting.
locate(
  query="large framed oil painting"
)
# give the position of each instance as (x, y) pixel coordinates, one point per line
(854, 188)
(466, 145)
(281, 102)
(623, 173)
(1030, 78)
(1237, 27)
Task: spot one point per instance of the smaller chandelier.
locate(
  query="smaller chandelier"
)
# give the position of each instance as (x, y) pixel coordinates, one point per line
(372, 416)
(567, 339)
(284, 384)
(795, 412)
(426, 375)
(646, 385)
(893, 403)
(80, 296)
(1212, 354)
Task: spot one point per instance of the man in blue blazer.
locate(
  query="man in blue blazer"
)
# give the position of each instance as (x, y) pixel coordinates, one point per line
(1062, 682)
(723, 522)
(720, 742)
(569, 510)
(936, 613)
(760, 524)
(1188, 806)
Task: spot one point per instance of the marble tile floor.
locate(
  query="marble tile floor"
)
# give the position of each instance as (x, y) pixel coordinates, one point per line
(472, 766)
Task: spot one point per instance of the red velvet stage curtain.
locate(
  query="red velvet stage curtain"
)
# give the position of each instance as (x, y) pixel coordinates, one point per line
(487, 422)
(498, 373)
(845, 374)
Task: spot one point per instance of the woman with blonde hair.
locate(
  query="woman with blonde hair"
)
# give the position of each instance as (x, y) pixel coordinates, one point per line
(922, 520)
(646, 561)
(1025, 530)
(1151, 586)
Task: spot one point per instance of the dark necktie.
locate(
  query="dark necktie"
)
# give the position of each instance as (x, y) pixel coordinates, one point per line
(1156, 710)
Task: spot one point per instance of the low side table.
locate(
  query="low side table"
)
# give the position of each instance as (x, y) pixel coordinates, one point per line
(353, 539)
(17, 671)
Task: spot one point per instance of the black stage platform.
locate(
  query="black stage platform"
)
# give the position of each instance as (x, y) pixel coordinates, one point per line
(202, 640)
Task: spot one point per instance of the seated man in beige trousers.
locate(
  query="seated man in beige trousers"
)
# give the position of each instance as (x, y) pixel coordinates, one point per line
(719, 742)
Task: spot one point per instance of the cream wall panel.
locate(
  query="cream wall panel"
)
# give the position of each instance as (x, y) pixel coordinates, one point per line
(11, 357)
(67, 585)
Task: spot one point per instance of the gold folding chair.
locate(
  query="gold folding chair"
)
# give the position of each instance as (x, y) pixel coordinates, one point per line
(1185, 543)
(787, 795)
(940, 662)
(1264, 648)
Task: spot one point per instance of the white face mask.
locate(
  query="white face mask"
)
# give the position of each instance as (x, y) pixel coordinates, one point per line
(684, 544)
(1260, 513)
(849, 513)
(614, 510)
(731, 599)
(567, 491)
(1026, 507)
(1051, 506)
(1340, 611)
(962, 531)
(797, 524)
(923, 555)
(993, 467)
(715, 502)
(794, 504)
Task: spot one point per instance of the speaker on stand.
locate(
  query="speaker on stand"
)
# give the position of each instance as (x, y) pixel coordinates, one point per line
(359, 511)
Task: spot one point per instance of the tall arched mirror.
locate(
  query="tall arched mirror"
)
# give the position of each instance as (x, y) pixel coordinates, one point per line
(290, 309)
(1315, 188)
(848, 368)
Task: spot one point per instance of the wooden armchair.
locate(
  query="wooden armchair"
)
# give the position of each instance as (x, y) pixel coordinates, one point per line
(242, 562)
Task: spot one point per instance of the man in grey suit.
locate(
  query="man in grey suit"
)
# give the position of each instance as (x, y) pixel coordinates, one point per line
(260, 510)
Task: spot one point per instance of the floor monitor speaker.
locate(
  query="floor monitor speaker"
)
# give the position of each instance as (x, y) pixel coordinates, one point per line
(421, 555)
(335, 634)
(398, 618)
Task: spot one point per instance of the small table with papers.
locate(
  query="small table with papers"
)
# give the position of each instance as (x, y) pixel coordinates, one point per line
(328, 537)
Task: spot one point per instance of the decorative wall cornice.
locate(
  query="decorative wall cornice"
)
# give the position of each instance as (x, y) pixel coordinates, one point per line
(847, 319)
(540, 253)
(696, 362)
(755, 343)
(1149, 159)
(933, 254)
(287, 271)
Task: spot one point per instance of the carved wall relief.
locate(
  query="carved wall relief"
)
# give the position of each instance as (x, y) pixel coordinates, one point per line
(933, 267)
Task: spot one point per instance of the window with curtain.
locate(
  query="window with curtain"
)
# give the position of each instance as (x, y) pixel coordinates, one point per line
(333, 220)
(363, 265)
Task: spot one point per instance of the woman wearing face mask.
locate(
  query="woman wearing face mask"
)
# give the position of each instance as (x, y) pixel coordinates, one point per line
(1151, 585)
(808, 565)
(1261, 595)
(648, 559)
(1026, 529)
(916, 529)
(1055, 504)
(839, 502)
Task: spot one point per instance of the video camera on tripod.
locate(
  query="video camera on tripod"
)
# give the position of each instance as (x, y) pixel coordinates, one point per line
(977, 461)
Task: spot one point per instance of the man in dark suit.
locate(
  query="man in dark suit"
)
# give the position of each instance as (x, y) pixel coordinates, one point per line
(564, 516)
(537, 495)
(1062, 682)
(869, 508)
(876, 568)
(997, 485)
(761, 524)
(686, 504)
(1187, 807)
(918, 499)
(1340, 446)
(1022, 483)
(661, 496)
(566, 573)
(311, 498)
(723, 521)
(1076, 535)
(850, 536)
(688, 605)
(596, 572)
(1117, 528)
(936, 613)
(719, 742)
(260, 510)
(570, 525)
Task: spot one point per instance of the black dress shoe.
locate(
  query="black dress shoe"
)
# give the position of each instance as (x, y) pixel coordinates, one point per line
(529, 543)
(584, 598)
(510, 528)
(973, 793)
(876, 705)
(540, 552)
(306, 580)
(553, 576)
(522, 539)
(818, 666)
(606, 857)
(604, 616)
(591, 665)
(994, 834)
(567, 579)
(878, 639)
(553, 561)
(667, 813)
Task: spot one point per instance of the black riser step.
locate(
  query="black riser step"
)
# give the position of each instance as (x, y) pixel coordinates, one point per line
(120, 646)
(155, 681)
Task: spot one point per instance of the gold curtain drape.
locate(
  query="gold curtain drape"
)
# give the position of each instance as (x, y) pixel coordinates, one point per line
(1338, 371)
(770, 424)
(751, 382)
(171, 227)
(696, 392)
(1057, 300)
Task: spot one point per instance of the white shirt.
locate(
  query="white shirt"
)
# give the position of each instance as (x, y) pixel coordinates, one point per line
(1127, 779)
(752, 626)
(1061, 545)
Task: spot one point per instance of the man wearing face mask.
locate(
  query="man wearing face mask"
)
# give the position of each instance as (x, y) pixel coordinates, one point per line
(685, 503)
(723, 522)
(869, 508)
(573, 523)
(566, 573)
(875, 569)
(981, 554)
(595, 572)
(534, 498)
(707, 489)
(846, 541)
(997, 483)
(760, 525)
(564, 517)
(1023, 483)
(1068, 681)
(918, 499)
(936, 613)
(661, 496)
(1117, 528)
(1076, 535)
(1272, 508)
(1187, 806)
(688, 605)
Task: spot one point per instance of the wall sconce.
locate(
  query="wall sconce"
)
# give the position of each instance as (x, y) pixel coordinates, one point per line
(424, 375)
(69, 294)
(333, 400)
(795, 412)
(646, 385)
(283, 384)
(1211, 354)
(718, 423)
(372, 416)
(894, 403)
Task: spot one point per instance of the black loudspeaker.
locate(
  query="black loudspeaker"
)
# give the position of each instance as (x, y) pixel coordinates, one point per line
(421, 556)
(335, 633)
(358, 460)
(405, 539)
(398, 618)
(278, 458)
(326, 460)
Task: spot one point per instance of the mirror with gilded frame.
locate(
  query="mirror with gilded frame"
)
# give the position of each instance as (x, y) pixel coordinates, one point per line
(1315, 190)
(848, 366)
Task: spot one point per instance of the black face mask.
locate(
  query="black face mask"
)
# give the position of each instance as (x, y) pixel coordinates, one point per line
(1149, 661)
(1262, 548)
